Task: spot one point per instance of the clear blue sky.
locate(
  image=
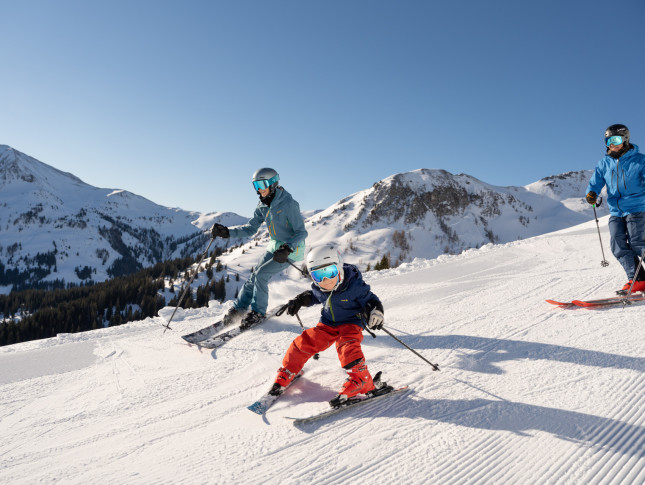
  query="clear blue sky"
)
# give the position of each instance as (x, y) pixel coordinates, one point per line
(181, 101)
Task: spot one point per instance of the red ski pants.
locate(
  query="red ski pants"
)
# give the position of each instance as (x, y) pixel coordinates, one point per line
(348, 338)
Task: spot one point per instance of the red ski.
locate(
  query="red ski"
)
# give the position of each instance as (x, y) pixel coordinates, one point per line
(615, 300)
(618, 300)
(560, 303)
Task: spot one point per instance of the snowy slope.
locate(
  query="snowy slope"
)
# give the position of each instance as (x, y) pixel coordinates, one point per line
(528, 393)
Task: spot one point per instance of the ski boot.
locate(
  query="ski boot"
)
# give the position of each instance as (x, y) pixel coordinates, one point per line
(282, 380)
(359, 381)
(231, 315)
(252, 318)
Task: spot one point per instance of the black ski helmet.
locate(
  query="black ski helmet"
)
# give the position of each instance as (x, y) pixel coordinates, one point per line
(265, 178)
(618, 130)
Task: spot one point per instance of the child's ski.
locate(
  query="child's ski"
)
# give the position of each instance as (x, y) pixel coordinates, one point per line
(266, 401)
(351, 403)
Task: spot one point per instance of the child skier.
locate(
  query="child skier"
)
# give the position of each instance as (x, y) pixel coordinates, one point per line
(346, 297)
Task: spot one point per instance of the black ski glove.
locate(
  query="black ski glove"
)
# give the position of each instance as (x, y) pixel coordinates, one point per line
(220, 231)
(303, 299)
(592, 197)
(281, 255)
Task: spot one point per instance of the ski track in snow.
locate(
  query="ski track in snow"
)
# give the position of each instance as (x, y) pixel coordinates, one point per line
(527, 392)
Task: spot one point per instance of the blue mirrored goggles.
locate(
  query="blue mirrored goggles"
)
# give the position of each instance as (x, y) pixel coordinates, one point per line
(614, 140)
(328, 272)
(264, 184)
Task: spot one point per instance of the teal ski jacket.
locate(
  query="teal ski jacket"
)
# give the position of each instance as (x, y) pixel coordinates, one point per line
(284, 222)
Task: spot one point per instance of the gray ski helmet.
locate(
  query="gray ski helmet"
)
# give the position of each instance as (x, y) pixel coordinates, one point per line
(617, 130)
(265, 178)
(323, 256)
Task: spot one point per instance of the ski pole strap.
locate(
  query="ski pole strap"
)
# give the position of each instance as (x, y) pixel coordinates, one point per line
(281, 310)
(363, 318)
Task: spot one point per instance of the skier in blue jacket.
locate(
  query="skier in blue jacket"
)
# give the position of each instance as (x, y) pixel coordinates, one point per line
(286, 226)
(622, 171)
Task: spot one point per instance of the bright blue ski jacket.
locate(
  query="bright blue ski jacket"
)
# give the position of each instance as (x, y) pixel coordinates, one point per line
(625, 181)
(284, 222)
(345, 303)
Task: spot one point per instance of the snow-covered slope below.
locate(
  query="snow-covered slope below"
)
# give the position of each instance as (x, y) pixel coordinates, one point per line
(527, 392)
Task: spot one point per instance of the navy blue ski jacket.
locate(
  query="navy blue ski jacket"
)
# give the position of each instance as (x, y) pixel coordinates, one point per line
(345, 303)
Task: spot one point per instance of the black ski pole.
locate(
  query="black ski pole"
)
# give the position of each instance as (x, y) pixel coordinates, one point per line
(301, 271)
(434, 366)
(604, 262)
(282, 310)
(363, 321)
(167, 326)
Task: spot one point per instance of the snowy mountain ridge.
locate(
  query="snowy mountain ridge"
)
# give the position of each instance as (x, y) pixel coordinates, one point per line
(56, 227)
(53, 226)
(428, 212)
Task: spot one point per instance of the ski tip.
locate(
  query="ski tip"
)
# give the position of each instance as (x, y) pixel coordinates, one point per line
(558, 303)
(256, 407)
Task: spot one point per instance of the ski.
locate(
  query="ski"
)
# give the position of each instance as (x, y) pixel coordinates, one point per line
(614, 300)
(350, 404)
(382, 390)
(618, 300)
(207, 338)
(560, 303)
(267, 400)
(204, 333)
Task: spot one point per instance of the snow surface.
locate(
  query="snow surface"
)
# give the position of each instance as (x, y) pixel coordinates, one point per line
(527, 392)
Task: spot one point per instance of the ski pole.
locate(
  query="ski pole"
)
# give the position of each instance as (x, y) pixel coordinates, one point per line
(434, 366)
(301, 271)
(167, 326)
(363, 321)
(604, 262)
(282, 310)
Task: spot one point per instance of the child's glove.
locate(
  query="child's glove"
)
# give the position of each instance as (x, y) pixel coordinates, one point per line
(375, 321)
(303, 299)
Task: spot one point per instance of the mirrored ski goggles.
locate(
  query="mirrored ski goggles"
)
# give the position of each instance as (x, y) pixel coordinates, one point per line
(328, 272)
(264, 184)
(614, 140)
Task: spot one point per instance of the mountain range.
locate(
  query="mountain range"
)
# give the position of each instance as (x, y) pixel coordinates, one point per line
(55, 229)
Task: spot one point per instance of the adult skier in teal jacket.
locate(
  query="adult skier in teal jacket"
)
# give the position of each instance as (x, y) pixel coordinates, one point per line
(622, 171)
(281, 213)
